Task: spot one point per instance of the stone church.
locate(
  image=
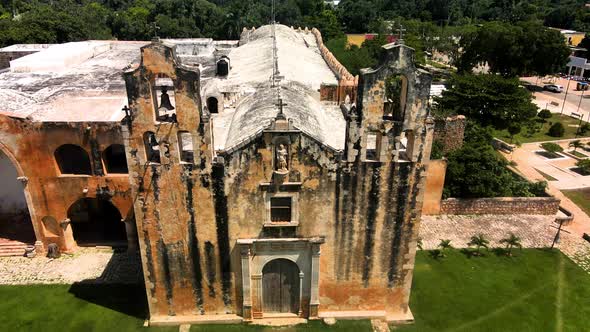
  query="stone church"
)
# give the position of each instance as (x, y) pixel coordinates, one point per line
(258, 177)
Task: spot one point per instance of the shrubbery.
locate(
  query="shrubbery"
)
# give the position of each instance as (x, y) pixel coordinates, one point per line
(557, 130)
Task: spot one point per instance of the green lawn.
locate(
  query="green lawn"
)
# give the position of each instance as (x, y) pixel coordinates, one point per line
(581, 197)
(541, 135)
(546, 176)
(578, 154)
(538, 290)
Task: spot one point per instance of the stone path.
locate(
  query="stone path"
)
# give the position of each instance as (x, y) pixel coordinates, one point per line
(86, 265)
(535, 231)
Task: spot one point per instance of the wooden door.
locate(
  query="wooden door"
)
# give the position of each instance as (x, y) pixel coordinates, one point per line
(280, 287)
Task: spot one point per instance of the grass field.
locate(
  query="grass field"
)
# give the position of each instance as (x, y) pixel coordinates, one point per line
(537, 290)
(581, 197)
(568, 122)
(546, 176)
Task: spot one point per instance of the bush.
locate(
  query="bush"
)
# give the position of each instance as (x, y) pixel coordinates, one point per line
(544, 114)
(584, 128)
(584, 164)
(552, 147)
(557, 130)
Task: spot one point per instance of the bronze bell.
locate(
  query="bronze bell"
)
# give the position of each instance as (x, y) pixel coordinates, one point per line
(165, 104)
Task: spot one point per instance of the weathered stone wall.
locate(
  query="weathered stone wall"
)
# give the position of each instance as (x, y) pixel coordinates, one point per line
(30, 146)
(501, 205)
(450, 132)
(199, 222)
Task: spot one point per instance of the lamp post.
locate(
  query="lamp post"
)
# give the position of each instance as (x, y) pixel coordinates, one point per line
(580, 115)
(567, 88)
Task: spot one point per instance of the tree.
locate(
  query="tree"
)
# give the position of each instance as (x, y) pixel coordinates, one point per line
(557, 130)
(512, 241)
(575, 144)
(444, 245)
(544, 114)
(514, 50)
(487, 99)
(479, 241)
(356, 14)
(514, 129)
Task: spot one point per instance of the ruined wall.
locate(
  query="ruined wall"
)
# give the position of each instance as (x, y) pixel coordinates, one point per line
(389, 188)
(501, 205)
(175, 202)
(31, 147)
(450, 132)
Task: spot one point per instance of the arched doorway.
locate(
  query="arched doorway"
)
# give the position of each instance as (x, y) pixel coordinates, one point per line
(96, 221)
(15, 221)
(280, 287)
(212, 105)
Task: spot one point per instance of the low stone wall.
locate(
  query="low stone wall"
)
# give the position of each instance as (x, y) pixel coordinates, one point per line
(501, 205)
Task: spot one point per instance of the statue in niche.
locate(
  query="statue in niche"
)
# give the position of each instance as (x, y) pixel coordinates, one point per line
(282, 154)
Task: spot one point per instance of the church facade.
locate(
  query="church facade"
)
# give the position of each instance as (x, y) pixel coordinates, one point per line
(258, 178)
(290, 199)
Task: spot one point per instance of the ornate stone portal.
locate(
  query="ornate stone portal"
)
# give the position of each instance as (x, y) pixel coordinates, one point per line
(257, 253)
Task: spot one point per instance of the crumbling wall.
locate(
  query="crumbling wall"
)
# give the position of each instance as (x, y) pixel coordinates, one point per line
(48, 193)
(381, 198)
(450, 132)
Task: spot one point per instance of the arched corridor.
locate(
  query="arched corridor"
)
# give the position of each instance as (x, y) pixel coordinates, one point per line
(96, 221)
(15, 221)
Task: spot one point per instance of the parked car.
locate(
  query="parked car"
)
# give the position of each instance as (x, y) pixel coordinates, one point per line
(553, 88)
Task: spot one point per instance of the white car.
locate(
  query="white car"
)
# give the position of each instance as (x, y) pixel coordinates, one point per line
(553, 87)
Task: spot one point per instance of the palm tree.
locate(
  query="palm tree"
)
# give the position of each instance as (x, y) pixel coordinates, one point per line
(576, 144)
(444, 245)
(420, 244)
(511, 241)
(479, 241)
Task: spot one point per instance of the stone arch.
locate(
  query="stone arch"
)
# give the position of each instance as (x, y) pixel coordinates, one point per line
(72, 159)
(15, 219)
(396, 97)
(96, 221)
(114, 159)
(213, 105)
(152, 147)
(223, 66)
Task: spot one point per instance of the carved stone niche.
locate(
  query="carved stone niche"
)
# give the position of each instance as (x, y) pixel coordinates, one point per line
(281, 158)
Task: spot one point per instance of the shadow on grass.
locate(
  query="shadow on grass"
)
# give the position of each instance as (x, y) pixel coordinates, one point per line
(128, 299)
(120, 286)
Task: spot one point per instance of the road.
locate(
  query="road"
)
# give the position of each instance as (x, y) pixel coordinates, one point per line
(543, 98)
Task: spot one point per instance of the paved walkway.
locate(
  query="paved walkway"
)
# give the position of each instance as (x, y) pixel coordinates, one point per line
(535, 231)
(86, 265)
(526, 167)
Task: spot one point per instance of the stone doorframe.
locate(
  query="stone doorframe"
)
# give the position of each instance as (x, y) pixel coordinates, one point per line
(255, 253)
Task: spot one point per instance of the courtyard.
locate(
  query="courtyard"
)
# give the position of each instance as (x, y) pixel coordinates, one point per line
(535, 290)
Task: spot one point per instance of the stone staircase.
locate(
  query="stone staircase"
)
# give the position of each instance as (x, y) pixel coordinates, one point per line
(12, 248)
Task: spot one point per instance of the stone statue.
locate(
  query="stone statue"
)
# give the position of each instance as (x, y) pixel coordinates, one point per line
(282, 158)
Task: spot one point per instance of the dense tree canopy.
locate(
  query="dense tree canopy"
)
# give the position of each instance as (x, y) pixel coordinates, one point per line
(49, 21)
(488, 99)
(476, 171)
(514, 49)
